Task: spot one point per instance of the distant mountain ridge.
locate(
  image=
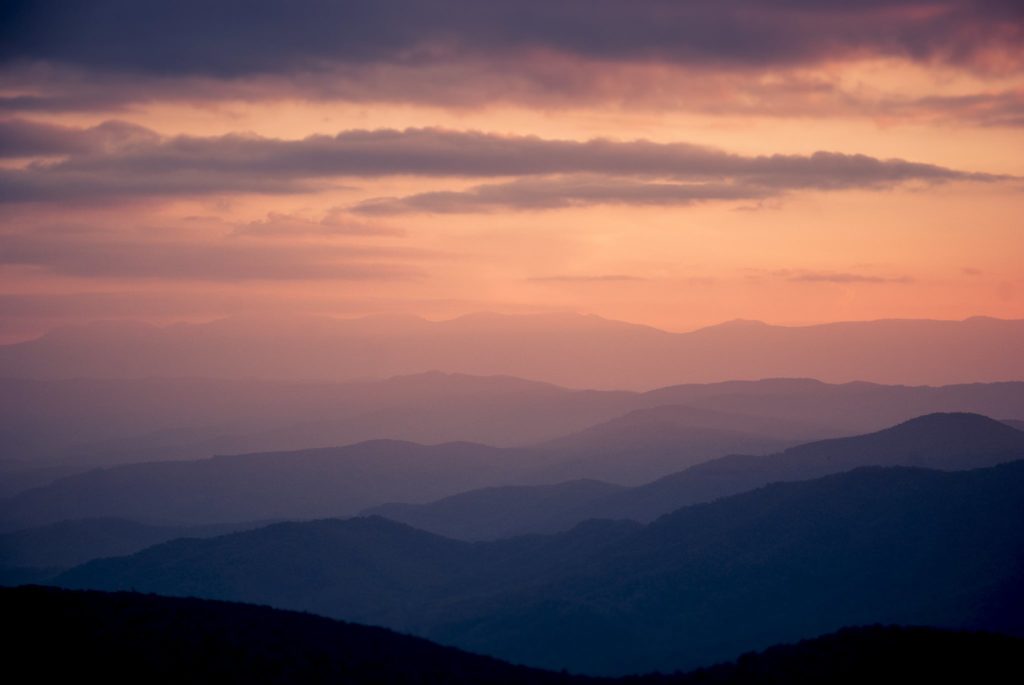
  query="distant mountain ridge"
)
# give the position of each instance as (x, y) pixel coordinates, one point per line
(52, 429)
(37, 554)
(647, 443)
(500, 512)
(947, 441)
(343, 481)
(264, 486)
(567, 349)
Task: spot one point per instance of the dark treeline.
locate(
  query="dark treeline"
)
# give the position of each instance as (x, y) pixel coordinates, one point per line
(129, 637)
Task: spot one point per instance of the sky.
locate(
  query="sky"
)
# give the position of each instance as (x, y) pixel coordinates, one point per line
(675, 164)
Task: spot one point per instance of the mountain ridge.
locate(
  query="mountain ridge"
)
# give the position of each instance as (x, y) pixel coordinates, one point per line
(792, 560)
(567, 349)
(954, 441)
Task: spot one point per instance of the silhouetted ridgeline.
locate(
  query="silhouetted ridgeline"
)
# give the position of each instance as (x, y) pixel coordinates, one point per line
(500, 512)
(126, 637)
(567, 349)
(54, 428)
(939, 441)
(316, 483)
(36, 554)
(343, 481)
(703, 584)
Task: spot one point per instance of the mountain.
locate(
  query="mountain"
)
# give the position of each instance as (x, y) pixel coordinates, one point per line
(52, 429)
(17, 476)
(364, 569)
(274, 485)
(892, 654)
(126, 637)
(844, 409)
(107, 421)
(705, 583)
(938, 441)
(40, 553)
(648, 443)
(943, 441)
(344, 481)
(566, 349)
(787, 561)
(500, 512)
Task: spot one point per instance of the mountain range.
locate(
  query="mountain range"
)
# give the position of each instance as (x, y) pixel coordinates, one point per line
(37, 554)
(53, 429)
(702, 584)
(567, 349)
(937, 441)
(344, 481)
(271, 485)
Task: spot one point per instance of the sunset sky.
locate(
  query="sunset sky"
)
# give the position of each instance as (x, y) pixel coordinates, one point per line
(669, 163)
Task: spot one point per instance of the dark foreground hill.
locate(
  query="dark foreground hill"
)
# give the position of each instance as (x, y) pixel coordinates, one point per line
(127, 637)
(704, 584)
(949, 441)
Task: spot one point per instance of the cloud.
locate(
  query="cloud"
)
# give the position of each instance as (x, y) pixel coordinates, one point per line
(599, 278)
(190, 37)
(119, 160)
(557, 193)
(151, 255)
(1004, 108)
(20, 138)
(27, 138)
(841, 277)
(732, 56)
(708, 177)
(547, 81)
(336, 222)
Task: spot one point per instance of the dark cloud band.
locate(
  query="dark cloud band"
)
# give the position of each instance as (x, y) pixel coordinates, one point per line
(121, 160)
(230, 38)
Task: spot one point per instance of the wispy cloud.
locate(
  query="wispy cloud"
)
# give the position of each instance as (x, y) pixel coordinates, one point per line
(586, 278)
(150, 255)
(801, 276)
(336, 222)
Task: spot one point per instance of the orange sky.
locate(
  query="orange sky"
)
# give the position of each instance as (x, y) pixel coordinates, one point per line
(785, 250)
